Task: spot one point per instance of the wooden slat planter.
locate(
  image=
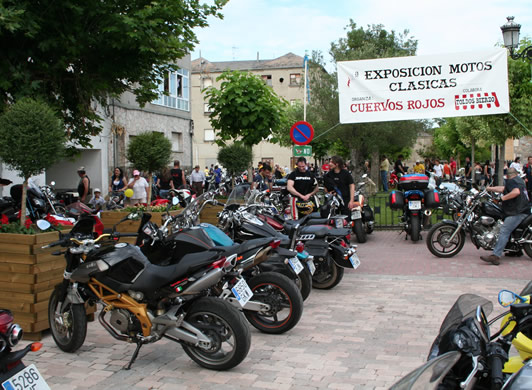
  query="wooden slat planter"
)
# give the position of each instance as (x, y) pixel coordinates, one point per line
(28, 275)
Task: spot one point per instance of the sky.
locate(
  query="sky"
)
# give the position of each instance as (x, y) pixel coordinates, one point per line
(273, 28)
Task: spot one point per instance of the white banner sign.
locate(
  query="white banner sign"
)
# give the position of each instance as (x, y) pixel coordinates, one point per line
(438, 86)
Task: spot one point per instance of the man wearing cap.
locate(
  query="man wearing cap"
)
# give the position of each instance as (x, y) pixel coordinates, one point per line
(83, 186)
(516, 208)
(140, 188)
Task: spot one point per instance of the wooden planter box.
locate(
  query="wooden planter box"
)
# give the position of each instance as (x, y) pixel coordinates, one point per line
(28, 275)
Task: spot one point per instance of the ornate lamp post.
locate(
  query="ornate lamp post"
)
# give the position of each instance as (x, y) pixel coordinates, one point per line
(510, 34)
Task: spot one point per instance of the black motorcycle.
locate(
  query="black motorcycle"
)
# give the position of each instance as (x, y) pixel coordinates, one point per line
(143, 302)
(482, 217)
(362, 217)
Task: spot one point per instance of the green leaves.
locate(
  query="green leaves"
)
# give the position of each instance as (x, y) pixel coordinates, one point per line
(149, 151)
(245, 109)
(235, 158)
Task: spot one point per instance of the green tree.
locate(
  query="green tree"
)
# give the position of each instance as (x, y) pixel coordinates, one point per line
(149, 152)
(236, 158)
(32, 139)
(245, 110)
(75, 53)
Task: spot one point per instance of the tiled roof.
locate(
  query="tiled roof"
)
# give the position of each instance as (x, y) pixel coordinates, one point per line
(289, 60)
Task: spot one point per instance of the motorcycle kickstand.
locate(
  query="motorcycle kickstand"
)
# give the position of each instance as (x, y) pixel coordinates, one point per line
(134, 357)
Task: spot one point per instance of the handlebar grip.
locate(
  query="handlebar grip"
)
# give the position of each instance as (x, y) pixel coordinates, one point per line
(52, 244)
(496, 358)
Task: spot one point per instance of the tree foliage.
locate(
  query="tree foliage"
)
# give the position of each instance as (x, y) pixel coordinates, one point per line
(32, 139)
(245, 110)
(76, 53)
(236, 158)
(149, 152)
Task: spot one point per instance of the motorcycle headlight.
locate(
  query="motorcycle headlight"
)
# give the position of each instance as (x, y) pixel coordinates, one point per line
(37, 202)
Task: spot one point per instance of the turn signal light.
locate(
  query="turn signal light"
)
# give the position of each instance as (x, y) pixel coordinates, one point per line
(275, 244)
(35, 347)
(300, 247)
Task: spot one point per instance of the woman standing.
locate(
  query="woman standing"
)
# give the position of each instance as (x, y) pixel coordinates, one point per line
(164, 183)
(118, 182)
(140, 188)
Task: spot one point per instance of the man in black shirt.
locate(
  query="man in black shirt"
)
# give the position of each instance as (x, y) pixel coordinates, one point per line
(516, 208)
(340, 181)
(468, 169)
(178, 176)
(303, 186)
(398, 166)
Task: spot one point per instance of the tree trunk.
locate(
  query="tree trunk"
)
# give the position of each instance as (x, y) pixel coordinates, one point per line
(23, 202)
(150, 182)
(472, 155)
(375, 164)
(354, 162)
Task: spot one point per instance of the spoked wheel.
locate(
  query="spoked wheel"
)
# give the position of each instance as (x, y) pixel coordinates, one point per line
(227, 330)
(284, 300)
(68, 323)
(439, 243)
(327, 274)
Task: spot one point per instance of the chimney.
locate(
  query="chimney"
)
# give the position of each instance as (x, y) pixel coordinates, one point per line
(257, 56)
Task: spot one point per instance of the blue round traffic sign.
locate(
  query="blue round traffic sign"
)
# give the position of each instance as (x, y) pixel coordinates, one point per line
(302, 133)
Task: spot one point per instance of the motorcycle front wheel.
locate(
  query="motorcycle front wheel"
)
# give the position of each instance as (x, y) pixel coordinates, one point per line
(327, 274)
(68, 323)
(225, 327)
(437, 240)
(284, 299)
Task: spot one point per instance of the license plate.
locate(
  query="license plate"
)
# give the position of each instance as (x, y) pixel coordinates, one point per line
(242, 292)
(356, 214)
(311, 266)
(355, 261)
(296, 265)
(414, 205)
(28, 378)
(339, 223)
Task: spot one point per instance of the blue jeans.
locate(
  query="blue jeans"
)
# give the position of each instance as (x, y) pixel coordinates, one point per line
(384, 179)
(510, 223)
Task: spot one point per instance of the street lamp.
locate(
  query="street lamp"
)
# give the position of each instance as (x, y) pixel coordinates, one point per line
(510, 35)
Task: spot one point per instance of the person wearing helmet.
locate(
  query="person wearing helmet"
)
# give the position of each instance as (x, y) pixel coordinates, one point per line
(302, 185)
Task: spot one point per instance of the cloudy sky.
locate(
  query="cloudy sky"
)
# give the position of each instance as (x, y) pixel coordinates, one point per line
(275, 27)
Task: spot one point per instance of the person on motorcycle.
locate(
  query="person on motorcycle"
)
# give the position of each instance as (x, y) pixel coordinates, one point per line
(340, 181)
(302, 184)
(516, 208)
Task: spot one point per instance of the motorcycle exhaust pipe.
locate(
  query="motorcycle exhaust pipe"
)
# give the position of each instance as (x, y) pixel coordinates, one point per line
(207, 280)
(427, 212)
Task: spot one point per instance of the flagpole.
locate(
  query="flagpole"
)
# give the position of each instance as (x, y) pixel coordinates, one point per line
(305, 90)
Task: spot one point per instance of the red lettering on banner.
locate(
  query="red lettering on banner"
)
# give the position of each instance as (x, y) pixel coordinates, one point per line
(472, 101)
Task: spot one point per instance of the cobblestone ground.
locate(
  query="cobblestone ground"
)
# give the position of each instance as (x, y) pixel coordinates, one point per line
(366, 333)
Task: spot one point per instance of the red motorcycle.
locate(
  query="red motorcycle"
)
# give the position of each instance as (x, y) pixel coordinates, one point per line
(393, 181)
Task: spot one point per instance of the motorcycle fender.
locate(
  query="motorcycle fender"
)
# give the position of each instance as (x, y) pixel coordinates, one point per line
(73, 296)
(276, 263)
(338, 252)
(284, 252)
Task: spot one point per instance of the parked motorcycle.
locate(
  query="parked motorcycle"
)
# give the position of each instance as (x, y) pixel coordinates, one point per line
(416, 201)
(362, 217)
(13, 373)
(465, 355)
(482, 218)
(145, 302)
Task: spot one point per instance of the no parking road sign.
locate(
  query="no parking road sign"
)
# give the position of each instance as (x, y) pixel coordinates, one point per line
(301, 133)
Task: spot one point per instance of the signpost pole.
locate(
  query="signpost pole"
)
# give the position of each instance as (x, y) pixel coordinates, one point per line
(305, 90)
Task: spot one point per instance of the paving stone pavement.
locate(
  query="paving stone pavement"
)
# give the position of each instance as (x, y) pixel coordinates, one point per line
(366, 333)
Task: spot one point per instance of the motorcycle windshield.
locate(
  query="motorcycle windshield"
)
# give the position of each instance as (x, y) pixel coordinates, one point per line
(464, 308)
(34, 187)
(239, 194)
(430, 374)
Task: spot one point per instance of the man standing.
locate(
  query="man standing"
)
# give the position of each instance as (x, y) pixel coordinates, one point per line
(452, 164)
(528, 172)
(178, 176)
(303, 186)
(197, 180)
(384, 168)
(468, 171)
(325, 167)
(398, 166)
(339, 180)
(263, 179)
(516, 208)
(83, 186)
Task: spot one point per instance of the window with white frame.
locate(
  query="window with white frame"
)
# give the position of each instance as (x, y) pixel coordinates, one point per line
(209, 135)
(177, 141)
(174, 91)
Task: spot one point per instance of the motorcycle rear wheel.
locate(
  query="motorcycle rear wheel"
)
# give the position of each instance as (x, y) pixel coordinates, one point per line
(327, 274)
(440, 232)
(304, 282)
(528, 247)
(360, 232)
(224, 325)
(415, 228)
(70, 334)
(284, 298)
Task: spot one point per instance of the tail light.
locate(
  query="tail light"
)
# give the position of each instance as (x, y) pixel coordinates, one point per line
(348, 237)
(219, 263)
(6, 319)
(12, 333)
(300, 247)
(275, 244)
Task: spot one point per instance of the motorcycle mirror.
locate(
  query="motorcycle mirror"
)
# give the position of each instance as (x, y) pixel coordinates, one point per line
(52, 183)
(507, 298)
(442, 186)
(42, 224)
(133, 216)
(175, 201)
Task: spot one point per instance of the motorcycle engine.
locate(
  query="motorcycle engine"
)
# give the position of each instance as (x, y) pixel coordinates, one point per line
(124, 321)
(487, 231)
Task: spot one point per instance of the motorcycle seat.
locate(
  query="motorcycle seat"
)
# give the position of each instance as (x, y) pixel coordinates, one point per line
(242, 248)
